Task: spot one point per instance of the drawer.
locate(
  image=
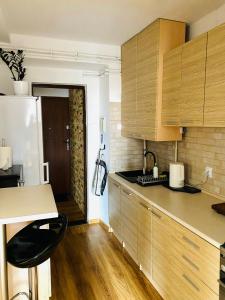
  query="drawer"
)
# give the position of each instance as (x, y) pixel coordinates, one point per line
(187, 286)
(193, 252)
(199, 256)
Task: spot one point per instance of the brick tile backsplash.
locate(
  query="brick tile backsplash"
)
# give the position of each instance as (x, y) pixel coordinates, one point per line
(199, 148)
(125, 153)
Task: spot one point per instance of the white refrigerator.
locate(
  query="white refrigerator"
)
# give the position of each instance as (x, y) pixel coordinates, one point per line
(21, 128)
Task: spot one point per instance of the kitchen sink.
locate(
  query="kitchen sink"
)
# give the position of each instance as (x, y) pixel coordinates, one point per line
(132, 176)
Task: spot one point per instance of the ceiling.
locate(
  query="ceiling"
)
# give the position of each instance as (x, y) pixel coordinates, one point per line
(99, 21)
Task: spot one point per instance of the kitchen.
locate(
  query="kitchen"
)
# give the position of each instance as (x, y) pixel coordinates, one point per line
(158, 121)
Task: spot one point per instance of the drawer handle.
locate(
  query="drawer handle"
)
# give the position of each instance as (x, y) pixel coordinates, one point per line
(190, 282)
(187, 240)
(156, 215)
(116, 184)
(127, 193)
(190, 262)
(145, 206)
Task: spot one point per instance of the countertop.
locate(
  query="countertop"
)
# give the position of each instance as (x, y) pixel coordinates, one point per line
(191, 210)
(21, 204)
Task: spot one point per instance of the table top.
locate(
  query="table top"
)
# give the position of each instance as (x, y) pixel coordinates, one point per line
(22, 204)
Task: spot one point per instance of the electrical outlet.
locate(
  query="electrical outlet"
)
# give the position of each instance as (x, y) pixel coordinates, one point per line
(209, 172)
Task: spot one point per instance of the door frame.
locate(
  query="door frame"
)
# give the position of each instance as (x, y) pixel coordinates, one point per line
(70, 86)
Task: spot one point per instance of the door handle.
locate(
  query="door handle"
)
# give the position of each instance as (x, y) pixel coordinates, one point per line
(45, 167)
(67, 142)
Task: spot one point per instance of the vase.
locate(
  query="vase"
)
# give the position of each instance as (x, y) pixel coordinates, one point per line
(21, 88)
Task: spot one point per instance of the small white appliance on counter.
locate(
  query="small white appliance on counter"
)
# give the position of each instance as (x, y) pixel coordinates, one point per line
(5, 157)
(21, 127)
(176, 178)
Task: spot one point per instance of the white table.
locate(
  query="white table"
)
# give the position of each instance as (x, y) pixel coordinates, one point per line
(22, 204)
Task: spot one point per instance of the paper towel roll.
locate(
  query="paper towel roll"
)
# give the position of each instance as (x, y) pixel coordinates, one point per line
(5, 158)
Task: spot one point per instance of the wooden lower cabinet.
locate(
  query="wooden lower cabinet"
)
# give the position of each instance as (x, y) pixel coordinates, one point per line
(114, 208)
(161, 255)
(180, 264)
(184, 266)
(144, 237)
(129, 223)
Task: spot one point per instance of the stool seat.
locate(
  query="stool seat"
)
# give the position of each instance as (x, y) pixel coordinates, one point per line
(33, 245)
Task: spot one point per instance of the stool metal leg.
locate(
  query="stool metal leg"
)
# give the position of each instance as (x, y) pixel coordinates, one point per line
(33, 283)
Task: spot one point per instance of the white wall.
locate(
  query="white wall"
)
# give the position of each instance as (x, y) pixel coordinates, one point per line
(104, 112)
(208, 22)
(115, 87)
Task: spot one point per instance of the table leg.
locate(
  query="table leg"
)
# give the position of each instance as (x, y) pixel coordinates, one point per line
(3, 263)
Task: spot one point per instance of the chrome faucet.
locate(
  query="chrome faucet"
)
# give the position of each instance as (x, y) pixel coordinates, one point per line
(153, 155)
(146, 152)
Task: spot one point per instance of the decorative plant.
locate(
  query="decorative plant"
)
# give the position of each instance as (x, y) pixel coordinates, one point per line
(14, 61)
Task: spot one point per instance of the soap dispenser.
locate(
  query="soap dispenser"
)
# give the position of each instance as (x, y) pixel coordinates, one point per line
(155, 171)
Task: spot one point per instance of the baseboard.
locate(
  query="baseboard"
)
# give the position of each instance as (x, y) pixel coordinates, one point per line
(101, 222)
(94, 221)
(104, 225)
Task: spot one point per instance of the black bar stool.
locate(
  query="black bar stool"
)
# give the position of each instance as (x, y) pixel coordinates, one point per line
(33, 245)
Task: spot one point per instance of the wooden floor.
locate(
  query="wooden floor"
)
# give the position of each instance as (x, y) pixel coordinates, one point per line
(89, 264)
(71, 210)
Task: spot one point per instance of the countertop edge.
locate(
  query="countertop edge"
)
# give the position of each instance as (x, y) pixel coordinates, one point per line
(28, 218)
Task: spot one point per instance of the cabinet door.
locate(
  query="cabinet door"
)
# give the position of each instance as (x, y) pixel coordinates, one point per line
(214, 114)
(147, 80)
(171, 87)
(161, 256)
(128, 103)
(129, 229)
(144, 237)
(193, 82)
(114, 208)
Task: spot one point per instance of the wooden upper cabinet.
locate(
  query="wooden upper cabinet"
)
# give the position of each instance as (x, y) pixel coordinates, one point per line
(214, 114)
(192, 92)
(128, 109)
(171, 87)
(147, 80)
(142, 82)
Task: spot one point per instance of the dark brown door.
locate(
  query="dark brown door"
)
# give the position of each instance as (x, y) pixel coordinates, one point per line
(56, 137)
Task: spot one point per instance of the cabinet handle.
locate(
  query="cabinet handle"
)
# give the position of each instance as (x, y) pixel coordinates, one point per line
(127, 193)
(190, 282)
(156, 215)
(116, 184)
(145, 206)
(188, 241)
(190, 262)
